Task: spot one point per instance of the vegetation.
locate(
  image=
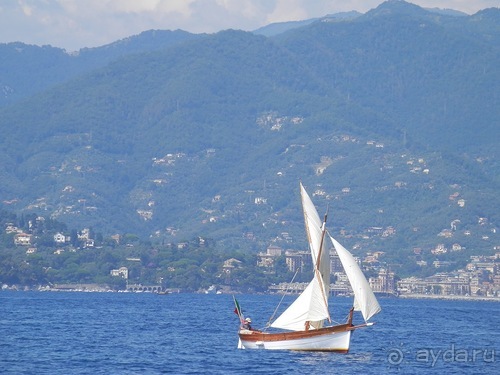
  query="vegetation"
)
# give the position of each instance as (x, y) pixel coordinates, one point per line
(190, 266)
(389, 118)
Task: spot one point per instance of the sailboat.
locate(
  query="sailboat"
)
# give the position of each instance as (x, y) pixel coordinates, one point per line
(306, 324)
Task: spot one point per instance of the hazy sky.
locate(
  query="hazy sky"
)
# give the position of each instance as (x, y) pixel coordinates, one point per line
(74, 24)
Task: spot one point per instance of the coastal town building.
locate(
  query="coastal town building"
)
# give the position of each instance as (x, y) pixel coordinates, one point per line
(60, 238)
(120, 272)
(479, 278)
(23, 239)
(85, 237)
(383, 283)
(230, 265)
(267, 259)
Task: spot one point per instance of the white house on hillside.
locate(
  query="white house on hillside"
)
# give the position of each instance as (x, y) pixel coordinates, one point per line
(60, 238)
(22, 239)
(122, 272)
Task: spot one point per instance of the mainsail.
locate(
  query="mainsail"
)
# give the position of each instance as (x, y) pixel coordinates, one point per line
(364, 299)
(315, 234)
(311, 307)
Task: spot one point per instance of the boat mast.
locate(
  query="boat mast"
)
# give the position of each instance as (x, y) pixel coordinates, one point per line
(318, 261)
(323, 233)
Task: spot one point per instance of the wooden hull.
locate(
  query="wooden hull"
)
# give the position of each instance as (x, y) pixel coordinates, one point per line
(329, 339)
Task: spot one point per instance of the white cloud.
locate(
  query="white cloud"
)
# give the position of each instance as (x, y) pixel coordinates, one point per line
(27, 10)
(288, 10)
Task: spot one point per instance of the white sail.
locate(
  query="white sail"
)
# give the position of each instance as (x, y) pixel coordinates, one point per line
(364, 299)
(312, 305)
(317, 243)
(308, 307)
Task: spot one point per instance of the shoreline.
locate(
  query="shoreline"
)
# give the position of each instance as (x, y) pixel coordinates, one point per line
(101, 289)
(447, 297)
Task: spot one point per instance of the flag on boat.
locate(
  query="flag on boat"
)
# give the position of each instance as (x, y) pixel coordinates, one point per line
(237, 309)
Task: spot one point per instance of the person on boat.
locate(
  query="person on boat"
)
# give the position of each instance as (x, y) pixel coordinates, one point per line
(247, 324)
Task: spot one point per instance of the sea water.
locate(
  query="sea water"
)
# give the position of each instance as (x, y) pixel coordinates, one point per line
(143, 333)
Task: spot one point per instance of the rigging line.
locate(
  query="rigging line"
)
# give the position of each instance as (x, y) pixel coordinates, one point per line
(337, 322)
(279, 304)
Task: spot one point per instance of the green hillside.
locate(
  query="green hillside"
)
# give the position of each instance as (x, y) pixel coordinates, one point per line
(389, 118)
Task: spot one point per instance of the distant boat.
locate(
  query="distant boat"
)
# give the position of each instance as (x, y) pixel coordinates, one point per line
(306, 323)
(212, 289)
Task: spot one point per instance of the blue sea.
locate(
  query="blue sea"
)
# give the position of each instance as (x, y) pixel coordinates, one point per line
(127, 333)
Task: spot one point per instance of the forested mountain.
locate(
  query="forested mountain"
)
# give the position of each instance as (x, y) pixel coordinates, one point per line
(28, 69)
(391, 118)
